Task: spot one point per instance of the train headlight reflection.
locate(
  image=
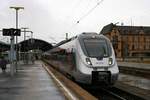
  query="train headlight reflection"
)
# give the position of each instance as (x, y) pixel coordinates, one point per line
(110, 61)
(88, 61)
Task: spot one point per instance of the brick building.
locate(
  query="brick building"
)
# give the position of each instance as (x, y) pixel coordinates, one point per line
(129, 41)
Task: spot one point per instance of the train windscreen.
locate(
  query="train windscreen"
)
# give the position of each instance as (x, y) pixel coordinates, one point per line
(97, 47)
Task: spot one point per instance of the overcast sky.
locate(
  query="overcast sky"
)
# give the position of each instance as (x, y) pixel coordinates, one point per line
(51, 19)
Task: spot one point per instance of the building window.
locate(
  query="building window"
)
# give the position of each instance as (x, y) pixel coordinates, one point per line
(147, 43)
(133, 48)
(115, 41)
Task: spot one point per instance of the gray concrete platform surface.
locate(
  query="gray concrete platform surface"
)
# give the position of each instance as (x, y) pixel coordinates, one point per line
(134, 77)
(135, 65)
(139, 82)
(31, 82)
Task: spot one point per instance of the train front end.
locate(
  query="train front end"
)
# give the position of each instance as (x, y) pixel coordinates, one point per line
(96, 60)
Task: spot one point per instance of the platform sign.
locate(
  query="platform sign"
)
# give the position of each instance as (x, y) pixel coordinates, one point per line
(11, 32)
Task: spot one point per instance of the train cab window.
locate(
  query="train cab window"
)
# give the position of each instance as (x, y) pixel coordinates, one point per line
(97, 47)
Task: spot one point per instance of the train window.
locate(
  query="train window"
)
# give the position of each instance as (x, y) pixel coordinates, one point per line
(97, 47)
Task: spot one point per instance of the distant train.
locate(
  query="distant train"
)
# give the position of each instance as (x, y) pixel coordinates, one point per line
(87, 58)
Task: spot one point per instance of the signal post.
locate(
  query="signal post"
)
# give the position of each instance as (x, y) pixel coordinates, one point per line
(12, 32)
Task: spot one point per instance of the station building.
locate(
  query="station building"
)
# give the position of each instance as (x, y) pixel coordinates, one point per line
(132, 42)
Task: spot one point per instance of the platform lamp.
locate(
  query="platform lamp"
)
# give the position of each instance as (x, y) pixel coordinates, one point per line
(17, 9)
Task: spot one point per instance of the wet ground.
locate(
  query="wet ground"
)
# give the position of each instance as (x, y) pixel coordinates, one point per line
(30, 83)
(139, 82)
(135, 65)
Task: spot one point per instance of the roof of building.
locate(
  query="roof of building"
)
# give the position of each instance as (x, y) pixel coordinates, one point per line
(29, 44)
(4, 46)
(3, 43)
(126, 30)
(108, 28)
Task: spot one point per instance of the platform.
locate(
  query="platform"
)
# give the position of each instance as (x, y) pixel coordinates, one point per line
(139, 82)
(135, 65)
(136, 69)
(135, 74)
(31, 82)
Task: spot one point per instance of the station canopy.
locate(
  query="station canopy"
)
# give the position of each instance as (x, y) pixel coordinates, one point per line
(34, 44)
(4, 46)
(30, 44)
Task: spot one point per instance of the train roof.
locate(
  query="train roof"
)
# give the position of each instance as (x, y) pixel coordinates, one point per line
(65, 41)
(92, 35)
(89, 35)
(82, 35)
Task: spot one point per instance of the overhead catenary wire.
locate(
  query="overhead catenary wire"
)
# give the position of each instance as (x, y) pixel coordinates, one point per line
(98, 3)
(77, 22)
(52, 38)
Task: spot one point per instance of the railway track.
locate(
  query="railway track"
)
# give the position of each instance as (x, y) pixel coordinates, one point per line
(118, 97)
(112, 93)
(121, 94)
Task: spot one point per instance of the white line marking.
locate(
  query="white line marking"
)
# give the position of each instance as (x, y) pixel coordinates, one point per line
(65, 89)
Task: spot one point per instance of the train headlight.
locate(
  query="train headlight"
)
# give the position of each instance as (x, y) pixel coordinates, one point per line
(110, 61)
(88, 61)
